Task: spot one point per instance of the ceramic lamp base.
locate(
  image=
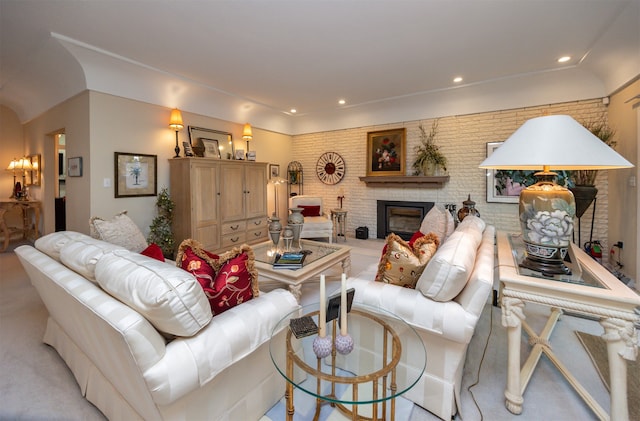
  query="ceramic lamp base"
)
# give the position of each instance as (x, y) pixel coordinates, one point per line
(550, 264)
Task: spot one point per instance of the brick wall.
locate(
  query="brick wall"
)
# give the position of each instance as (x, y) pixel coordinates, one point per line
(463, 140)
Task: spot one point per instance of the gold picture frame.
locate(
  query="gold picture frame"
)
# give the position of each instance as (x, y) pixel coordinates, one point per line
(386, 152)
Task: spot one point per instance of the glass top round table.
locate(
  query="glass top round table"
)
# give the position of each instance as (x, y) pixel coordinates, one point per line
(387, 359)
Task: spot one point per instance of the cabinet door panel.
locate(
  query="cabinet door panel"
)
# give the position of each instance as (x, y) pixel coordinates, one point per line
(205, 194)
(256, 197)
(233, 192)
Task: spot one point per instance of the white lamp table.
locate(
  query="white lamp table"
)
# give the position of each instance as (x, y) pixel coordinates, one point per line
(590, 290)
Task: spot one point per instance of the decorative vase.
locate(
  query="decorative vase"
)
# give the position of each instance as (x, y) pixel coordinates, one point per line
(429, 168)
(296, 216)
(287, 237)
(275, 228)
(468, 208)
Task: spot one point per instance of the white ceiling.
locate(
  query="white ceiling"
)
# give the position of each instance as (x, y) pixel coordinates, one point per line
(391, 60)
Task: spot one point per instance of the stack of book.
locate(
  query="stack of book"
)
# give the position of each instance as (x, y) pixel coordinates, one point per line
(289, 260)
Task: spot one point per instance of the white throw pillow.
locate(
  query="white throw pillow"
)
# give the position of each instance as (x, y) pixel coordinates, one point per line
(121, 230)
(82, 255)
(170, 298)
(448, 271)
(51, 244)
(438, 221)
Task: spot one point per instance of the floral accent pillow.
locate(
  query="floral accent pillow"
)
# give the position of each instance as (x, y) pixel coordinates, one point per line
(402, 263)
(227, 280)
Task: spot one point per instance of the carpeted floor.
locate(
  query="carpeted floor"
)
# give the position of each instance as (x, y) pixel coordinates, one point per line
(596, 347)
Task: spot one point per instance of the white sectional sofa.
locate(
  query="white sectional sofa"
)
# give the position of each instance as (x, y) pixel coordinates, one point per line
(154, 358)
(443, 314)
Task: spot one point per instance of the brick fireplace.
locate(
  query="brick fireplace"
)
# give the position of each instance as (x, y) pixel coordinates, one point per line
(400, 217)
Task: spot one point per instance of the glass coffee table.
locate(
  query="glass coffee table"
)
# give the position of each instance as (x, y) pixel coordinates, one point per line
(321, 257)
(388, 359)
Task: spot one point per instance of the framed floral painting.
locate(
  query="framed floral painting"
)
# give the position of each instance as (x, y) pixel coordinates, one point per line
(386, 152)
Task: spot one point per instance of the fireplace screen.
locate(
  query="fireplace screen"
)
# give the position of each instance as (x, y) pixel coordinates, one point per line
(400, 218)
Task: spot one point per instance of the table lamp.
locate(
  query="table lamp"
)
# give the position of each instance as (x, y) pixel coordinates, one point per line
(276, 181)
(247, 134)
(546, 209)
(175, 123)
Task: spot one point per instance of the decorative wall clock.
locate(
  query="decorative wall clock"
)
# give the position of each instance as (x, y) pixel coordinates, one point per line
(330, 168)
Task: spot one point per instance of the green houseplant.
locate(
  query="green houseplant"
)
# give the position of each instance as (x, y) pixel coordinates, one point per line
(160, 229)
(428, 154)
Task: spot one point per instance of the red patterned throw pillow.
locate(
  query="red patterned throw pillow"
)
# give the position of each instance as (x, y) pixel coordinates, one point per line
(402, 263)
(227, 280)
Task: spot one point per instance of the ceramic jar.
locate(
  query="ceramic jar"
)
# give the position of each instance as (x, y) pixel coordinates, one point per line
(468, 208)
(275, 228)
(296, 216)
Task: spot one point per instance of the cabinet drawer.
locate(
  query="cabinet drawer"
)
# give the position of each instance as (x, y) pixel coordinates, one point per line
(234, 227)
(257, 235)
(233, 240)
(257, 223)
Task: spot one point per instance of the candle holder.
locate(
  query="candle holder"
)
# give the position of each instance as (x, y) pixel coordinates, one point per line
(344, 344)
(322, 346)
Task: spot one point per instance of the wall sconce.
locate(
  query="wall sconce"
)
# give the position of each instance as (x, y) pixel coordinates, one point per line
(247, 134)
(175, 123)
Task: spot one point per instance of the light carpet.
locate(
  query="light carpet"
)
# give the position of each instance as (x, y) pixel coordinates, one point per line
(596, 347)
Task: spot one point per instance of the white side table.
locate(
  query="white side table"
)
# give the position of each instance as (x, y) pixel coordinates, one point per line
(339, 218)
(591, 290)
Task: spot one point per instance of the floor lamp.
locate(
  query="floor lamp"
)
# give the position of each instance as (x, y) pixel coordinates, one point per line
(276, 181)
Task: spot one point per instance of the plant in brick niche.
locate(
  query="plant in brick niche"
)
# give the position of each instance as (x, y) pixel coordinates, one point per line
(428, 156)
(160, 229)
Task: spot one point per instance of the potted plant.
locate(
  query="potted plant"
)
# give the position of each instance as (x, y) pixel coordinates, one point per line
(160, 229)
(584, 190)
(429, 158)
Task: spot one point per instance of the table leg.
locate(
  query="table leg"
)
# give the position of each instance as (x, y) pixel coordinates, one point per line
(5, 230)
(512, 317)
(295, 290)
(288, 393)
(621, 346)
(346, 265)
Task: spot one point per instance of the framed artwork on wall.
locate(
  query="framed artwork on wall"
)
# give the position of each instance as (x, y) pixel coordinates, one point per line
(33, 176)
(274, 170)
(74, 167)
(135, 174)
(501, 187)
(386, 152)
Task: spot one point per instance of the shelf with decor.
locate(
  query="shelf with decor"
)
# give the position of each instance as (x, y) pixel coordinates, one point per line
(429, 182)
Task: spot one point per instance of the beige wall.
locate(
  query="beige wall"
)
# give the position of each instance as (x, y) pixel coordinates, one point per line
(11, 147)
(624, 211)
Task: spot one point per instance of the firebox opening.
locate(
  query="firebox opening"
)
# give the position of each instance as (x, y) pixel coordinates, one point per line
(400, 218)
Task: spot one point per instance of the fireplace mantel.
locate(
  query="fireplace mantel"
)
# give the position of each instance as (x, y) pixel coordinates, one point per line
(431, 182)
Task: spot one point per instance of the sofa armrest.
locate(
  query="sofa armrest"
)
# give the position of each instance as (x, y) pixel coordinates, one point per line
(191, 362)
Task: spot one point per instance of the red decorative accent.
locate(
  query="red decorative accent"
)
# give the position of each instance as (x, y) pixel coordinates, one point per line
(310, 210)
(154, 251)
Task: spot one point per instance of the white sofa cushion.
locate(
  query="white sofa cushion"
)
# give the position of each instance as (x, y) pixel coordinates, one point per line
(120, 230)
(190, 363)
(51, 244)
(82, 254)
(169, 297)
(449, 270)
(438, 221)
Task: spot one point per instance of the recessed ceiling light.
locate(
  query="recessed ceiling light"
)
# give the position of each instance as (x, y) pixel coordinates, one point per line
(342, 102)
(293, 110)
(457, 79)
(564, 59)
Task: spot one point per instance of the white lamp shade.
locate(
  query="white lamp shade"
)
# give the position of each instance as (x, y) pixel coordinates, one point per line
(557, 141)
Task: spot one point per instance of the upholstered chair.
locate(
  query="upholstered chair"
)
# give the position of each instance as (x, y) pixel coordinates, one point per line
(317, 221)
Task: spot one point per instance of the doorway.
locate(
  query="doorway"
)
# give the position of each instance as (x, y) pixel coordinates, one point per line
(60, 182)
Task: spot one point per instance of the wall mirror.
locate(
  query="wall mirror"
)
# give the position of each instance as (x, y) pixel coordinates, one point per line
(32, 177)
(200, 137)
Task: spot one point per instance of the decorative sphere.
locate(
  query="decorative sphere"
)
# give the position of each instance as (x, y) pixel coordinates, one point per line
(344, 344)
(322, 346)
